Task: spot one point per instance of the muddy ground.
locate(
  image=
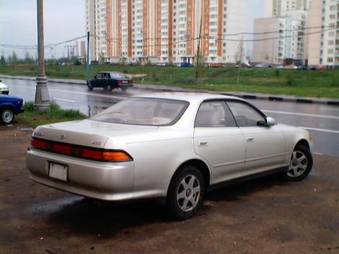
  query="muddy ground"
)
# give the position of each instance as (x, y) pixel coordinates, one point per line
(261, 216)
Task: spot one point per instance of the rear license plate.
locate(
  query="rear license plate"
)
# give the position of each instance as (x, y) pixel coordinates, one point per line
(58, 171)
(124, 82)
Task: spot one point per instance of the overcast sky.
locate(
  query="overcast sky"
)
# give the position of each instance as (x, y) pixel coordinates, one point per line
(64, 20)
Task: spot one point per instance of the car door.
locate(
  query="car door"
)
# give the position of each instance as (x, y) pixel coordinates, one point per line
(219, 141)
(98, 80)
(265, 146)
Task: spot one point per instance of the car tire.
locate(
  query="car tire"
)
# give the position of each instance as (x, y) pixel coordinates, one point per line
(300, 165)
(7, 116)
(186, 193)
(90, 87)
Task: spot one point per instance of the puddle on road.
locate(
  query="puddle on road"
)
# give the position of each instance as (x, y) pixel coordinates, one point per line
(53, 205)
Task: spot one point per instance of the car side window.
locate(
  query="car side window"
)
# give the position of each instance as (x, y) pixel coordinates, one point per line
(245, 115)
(214, 114)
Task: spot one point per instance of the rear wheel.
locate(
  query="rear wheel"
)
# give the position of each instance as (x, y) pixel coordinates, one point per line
(300, 165)
(7, 116)
(89, 85)
(186, 193)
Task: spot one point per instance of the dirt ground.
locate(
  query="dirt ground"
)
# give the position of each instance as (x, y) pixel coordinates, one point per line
(262, 216)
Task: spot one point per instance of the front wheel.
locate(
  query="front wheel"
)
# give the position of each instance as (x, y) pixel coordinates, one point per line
(186, 193)
(7, 116)
(300, 165)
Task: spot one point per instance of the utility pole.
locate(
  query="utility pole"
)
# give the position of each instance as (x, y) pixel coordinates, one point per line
(41, 92)
(87, 56)
(198, 51)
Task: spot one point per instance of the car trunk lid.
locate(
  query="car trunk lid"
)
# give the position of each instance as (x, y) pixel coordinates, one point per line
(87, 132)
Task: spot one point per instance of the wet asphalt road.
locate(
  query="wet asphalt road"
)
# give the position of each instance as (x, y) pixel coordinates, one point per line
(321, 120)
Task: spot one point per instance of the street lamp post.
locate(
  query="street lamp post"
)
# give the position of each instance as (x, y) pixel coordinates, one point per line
(41, 92)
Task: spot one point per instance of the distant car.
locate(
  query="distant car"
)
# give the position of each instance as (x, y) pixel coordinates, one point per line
(186, 65)
(3, 88)
(172, 145)
(110, 80)
(9, 107)
(279, 67)
(261, 66)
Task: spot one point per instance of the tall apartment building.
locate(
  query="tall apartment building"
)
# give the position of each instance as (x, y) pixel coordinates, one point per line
(282, 35)
(279, 38)
(323, 38)
(166, 30)
(283, 7)
(97, 25)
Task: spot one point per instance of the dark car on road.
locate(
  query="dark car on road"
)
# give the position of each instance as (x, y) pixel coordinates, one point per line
(9, 107)
(110, 80)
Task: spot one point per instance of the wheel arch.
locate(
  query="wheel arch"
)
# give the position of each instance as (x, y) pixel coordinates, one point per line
(8, 106)
(303, 142)
(199, 164)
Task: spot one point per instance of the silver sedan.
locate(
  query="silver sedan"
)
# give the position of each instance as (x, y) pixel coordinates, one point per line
(175, 145)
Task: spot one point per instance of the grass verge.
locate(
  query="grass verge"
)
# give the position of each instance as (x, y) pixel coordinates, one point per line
(324, 83)
(32, 117)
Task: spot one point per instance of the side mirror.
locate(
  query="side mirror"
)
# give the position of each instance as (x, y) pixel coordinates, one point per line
(270, 121)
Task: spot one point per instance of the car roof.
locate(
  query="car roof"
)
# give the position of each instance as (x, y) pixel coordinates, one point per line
(114, 72)
(186, 96)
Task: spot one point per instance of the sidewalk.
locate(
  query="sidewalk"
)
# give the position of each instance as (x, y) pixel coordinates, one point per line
(162, 88)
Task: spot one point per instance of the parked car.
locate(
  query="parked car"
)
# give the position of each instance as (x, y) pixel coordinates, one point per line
(10, 106)
(110, 80)
(3, 88)
(175, 146)
(186, 65)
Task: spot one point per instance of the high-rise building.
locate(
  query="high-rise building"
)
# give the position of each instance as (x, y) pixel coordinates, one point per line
(323, 38)
(282, 35)
(279, 38)
(282, 7)
(96, 23)
(166, 30)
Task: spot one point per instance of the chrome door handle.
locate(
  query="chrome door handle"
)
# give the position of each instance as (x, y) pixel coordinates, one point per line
(250, 139)
(203, 143)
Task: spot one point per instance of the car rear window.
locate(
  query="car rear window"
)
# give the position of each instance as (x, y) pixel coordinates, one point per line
(144, 111)
(117, 75)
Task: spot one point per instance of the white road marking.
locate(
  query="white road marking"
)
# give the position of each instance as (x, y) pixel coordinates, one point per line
(301, 114)
(64, 100)
(320, 130)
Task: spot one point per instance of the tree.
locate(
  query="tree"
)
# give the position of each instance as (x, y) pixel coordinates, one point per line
(28, 59)
(2, 60)
(14, 58)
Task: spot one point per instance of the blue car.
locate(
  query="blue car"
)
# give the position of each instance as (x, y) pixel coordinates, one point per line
(10, 106)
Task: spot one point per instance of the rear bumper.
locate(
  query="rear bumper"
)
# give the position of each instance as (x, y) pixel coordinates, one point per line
(99, 180)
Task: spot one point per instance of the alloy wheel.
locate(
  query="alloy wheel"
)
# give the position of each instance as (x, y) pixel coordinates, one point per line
(188, 193)
(298, 164)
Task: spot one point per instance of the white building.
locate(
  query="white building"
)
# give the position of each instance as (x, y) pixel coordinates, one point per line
(281, 36)
(97, 25)
(283, 7)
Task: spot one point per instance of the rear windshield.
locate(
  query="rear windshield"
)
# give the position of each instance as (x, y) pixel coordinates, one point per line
(117, 75)
(144, 111)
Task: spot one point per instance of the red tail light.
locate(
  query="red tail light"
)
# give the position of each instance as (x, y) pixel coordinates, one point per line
(80, 151)
(62, 148)
(40, 144)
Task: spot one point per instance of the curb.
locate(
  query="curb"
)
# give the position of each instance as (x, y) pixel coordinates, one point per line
(249, 96)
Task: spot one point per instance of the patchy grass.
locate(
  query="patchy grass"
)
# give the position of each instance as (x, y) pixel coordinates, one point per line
(33, 118)
(287, 82)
